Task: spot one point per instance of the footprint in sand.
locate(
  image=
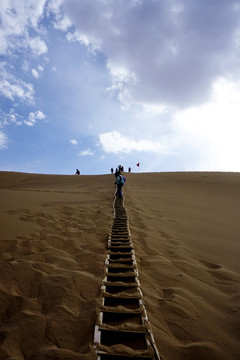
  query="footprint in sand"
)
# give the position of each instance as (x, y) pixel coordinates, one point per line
(168, 294)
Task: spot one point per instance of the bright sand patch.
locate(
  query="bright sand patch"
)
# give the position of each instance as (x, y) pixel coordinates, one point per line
(185, 227)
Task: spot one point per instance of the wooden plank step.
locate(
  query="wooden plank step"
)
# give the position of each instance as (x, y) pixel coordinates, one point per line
(116, 310)
(121, 291)
(126, 278)
(120, 244)
(118, 234)
(121, 254)
(135, 340)
(117, 270)
(123, 240)
(109, 356)
(127, 302)
(112, 283)
(118, 319)
(121, 261)
(121, 250)
(120, 220)
(118, 240)
(115, 265)
(120, 227)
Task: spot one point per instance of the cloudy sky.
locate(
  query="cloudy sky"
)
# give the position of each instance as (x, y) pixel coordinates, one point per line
(91, 84)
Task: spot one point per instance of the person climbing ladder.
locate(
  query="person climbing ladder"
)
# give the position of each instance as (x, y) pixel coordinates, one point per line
(120, 181)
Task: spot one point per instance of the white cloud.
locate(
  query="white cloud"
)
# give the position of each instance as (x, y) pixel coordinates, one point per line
(121, 77)
(154, 109)
(16, 89)
(37, 45)
(10, 118)
(63, 24)
(16, 19)
(76, 36)
(40, 115)
(3, 140)
(33, 117)
(114, 142)
(35, 73)
(20, 30)
(54, 7)
(38, 72)
(87, 152)
(91, 43)
(74, 142)
(11, 87)
(120, 73)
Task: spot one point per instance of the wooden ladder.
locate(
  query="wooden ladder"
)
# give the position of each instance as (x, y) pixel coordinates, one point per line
(122, 329)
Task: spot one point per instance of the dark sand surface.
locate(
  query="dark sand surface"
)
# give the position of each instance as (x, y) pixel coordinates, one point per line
(53, 236)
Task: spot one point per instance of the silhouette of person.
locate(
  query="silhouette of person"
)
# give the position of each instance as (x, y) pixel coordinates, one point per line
(77, 172)
(112, 170)
(129, 169)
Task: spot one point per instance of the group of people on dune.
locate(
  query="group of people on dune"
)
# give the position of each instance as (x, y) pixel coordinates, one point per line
(120, 179)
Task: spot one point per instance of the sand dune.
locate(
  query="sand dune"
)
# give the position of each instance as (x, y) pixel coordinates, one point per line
(186, 231)
(53, 236)
(52, 248)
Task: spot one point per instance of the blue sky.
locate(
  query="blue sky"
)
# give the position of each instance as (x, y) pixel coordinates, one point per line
(92, 84)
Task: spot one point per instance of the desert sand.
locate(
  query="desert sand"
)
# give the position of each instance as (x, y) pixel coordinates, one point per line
(53, 241)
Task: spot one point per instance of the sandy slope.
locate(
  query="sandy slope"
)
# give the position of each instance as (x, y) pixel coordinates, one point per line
(186, 230)
(53, 242)
(53, 232)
